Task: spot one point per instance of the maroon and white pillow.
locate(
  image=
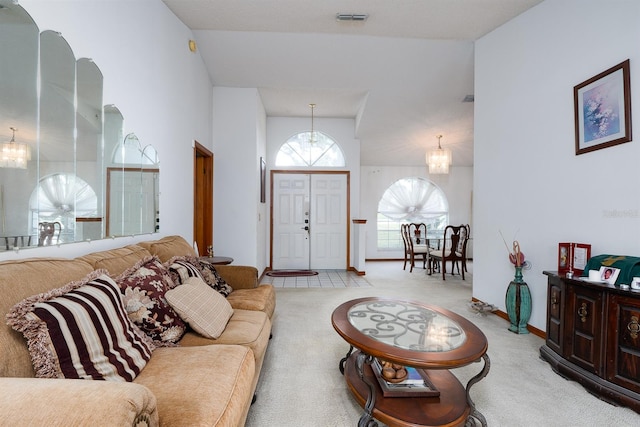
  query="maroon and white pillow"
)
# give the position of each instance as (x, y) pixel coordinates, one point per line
(183, 267)
(143, 287)
(82, 331)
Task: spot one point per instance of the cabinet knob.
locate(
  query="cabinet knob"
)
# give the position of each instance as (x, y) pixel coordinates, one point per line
(634, 327)
(582, 312)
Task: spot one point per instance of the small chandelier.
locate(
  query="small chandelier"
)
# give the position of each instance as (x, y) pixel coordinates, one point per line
(313, 137)
(13, 154)
(439, 159)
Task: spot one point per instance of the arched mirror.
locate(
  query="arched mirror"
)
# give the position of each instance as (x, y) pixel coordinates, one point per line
(18, 110)
(89, 158)
(52, 104)
(133, 189)
(56, 148)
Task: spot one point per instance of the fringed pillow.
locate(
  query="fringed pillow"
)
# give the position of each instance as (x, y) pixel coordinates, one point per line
(144, 286)
(82, 331)
(183, 267)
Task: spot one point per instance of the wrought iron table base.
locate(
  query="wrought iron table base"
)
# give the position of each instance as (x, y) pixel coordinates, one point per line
(367, 420)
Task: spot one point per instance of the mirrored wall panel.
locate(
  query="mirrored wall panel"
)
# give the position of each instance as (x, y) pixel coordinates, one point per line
(60, 146)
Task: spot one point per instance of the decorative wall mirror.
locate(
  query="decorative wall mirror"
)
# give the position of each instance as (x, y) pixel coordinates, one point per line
(59, 194)
(133, 189)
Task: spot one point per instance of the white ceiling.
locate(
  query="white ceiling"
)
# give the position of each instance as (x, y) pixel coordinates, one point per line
(402, 74)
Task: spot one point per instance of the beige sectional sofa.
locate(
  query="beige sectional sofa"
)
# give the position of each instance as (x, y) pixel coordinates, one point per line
(199, 382)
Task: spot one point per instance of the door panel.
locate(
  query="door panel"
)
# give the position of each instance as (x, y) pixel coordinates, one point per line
(291, 207)
(319, 202)
(328, 221)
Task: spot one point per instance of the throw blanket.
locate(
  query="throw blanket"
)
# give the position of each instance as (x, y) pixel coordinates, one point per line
(629, 266)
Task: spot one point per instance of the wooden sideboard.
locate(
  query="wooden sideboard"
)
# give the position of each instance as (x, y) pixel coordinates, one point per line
(593, 337)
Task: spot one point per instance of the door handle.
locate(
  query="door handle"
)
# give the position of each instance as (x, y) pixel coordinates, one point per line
(306, 228)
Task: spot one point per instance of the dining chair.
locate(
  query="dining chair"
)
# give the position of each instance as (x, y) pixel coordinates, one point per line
(449, 250)
(415, 236)
(461, 251)
(47, 232)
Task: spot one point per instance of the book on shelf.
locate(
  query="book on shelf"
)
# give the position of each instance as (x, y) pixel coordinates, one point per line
(416, 383)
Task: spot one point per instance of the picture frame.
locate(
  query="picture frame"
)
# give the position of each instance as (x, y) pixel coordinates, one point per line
(573, 257)
(602, 110)
(263, 180)
(609, 275)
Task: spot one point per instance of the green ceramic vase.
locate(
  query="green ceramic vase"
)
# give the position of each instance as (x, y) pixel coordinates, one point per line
(518, 303)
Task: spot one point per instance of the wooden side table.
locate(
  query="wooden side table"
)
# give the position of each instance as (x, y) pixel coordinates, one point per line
(217, 260)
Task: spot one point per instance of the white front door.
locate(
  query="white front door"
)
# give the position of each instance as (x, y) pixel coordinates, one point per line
(309, 221)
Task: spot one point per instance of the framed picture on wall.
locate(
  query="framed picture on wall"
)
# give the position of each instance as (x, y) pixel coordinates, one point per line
(263, 179)
(602, 108)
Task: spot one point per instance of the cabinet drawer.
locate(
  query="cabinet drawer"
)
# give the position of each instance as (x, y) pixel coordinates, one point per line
(623, 352)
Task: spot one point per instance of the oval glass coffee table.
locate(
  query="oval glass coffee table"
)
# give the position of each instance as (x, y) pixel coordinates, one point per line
(412, 334)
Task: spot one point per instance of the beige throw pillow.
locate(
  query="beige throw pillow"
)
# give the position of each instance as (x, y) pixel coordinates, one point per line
(204, 309)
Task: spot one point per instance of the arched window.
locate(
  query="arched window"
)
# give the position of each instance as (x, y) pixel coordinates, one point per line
(61, 197)
(301, 150)
(410, 200)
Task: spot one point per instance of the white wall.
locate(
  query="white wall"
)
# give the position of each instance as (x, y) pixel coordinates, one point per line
(161, 88)
(457, 187)
(528, 182)
(280, 129)
(239, 130)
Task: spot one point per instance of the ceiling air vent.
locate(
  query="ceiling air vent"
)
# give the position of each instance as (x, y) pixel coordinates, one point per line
(351, 16)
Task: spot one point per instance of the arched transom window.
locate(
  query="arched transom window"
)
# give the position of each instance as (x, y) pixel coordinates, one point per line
(303, 150)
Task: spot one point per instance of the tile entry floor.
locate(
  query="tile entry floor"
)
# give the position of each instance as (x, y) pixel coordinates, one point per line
(324, 279)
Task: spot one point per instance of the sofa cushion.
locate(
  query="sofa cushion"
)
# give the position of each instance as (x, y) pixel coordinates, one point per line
(82, 331)
(168, 247)
(115, 261)
(261, 298)
(246, 327)
(204, 309)
(201, 386)
(144, 286)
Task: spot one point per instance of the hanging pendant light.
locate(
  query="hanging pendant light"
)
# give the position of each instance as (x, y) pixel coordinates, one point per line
(439, 159)
(14, 155)
(313, 138)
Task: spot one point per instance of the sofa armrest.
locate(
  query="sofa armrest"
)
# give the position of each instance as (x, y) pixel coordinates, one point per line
(66, 402)
(239, 276)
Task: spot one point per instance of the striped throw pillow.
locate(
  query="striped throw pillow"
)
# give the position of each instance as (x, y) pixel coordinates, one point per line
(82, 331)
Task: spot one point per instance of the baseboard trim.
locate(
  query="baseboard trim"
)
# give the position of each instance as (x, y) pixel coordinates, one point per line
(535, 331)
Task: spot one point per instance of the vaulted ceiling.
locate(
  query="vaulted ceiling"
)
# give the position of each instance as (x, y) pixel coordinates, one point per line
(403, 74)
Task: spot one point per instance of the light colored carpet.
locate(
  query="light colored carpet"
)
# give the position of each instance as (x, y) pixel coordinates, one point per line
(302, 386)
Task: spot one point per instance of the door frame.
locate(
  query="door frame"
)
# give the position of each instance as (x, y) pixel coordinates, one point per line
(309, 172)
(202, 197)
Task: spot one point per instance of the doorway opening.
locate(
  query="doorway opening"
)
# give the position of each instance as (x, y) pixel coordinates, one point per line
(202, 198)
(309, 227)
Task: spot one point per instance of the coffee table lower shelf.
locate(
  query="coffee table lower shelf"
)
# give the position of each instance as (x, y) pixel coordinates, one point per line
(450, 408)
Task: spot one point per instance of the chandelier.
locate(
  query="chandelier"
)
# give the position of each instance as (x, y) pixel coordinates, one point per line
(439, 159)
(13, 154)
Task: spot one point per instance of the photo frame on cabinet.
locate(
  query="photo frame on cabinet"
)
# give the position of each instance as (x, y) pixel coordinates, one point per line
(263, 179)
(602, 109)
(573, 257)
(609, 274)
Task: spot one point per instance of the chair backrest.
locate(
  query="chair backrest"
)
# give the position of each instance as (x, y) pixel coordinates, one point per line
(464, 237)
(453, 238)
(404, 231)
(47, 231)
(418, 232)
